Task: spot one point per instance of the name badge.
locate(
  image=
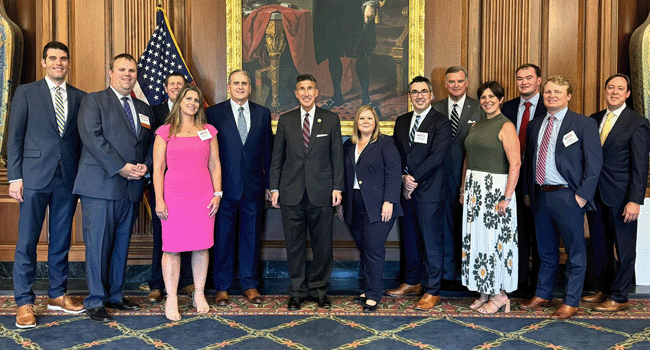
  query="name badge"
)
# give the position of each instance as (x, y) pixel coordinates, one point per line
(421, 137)
(144, 121)
(569, 139)
(204, 134)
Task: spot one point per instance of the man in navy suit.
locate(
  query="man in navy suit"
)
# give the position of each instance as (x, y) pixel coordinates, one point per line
(625, 138)
(245, 138)
(522, 110)
(423, 138)
(43, 154)
(462, 111)
(563, 160)
(116, 133)
(173, 85)
(306, 178)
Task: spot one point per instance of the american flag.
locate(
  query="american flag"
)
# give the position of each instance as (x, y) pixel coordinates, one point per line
(161, 57)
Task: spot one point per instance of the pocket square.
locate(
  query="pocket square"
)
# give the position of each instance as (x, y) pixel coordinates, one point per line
(471, 121)
(321, 135)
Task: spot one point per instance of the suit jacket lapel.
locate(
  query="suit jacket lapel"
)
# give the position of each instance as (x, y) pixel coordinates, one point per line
(230, 122)
(253, 114)
(404, 135)
(367, 149)
(117, 103)
(315, 128)
(567, 123)
(72, 98)
(46, 97)
(621, 124)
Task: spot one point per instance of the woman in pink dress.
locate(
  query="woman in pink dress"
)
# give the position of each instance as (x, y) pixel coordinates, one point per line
(187, 193)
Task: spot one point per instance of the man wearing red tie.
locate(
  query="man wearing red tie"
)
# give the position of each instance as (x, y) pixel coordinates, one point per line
(521, 111)
(562, 164)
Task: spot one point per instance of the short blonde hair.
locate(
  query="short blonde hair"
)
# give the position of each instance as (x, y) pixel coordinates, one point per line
(559, 80)
(356, 134)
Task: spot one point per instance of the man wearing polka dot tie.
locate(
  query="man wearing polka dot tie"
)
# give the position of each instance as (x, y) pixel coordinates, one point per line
(562, 165)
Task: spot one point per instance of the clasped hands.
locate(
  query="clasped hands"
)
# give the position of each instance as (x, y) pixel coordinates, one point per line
(409, 186)
(336, 198)
(133, 171)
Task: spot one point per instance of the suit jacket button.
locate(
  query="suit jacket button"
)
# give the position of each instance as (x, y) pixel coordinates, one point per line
(360, 182)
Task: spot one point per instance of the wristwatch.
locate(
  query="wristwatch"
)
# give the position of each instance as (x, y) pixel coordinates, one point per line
(504, 198)
(220, 194)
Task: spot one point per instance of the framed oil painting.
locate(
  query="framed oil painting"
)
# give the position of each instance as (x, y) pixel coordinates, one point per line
(360, 51)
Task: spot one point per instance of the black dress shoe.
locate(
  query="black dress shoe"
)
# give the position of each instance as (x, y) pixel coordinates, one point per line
(99, 314)
(324, 302)
(294, 303)
(124, 305)
(367, 308)
(359, 300)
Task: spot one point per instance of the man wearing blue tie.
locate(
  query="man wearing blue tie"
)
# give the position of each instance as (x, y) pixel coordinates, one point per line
(115, 129)
(562, 166)
(245, 138)
(43, 154)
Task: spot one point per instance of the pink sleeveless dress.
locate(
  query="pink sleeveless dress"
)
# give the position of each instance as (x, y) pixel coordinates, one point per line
(187, 191)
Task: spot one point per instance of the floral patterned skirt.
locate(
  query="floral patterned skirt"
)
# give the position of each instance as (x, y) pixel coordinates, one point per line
(489, 253)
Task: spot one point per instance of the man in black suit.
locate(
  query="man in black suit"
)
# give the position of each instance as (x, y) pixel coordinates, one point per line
(306, 178)
(173, 84)
(625, 138)
(43, 154)
(116, 133)
(563, 162)
(462, 112)
(423, 138)
(521, 110)
(245, 143)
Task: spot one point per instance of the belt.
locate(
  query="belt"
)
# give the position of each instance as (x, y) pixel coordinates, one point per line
(551, 188)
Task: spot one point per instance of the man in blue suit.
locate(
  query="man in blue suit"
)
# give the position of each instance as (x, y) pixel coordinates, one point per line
(245, 138)
(43, 154)
(522, 110)
(625, 138)
(562, 164)
(116, 133)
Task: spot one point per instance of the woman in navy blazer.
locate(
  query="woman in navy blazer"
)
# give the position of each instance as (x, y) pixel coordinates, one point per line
(372, 190)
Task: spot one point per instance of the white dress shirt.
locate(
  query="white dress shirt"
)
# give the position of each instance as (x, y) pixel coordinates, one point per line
(247, 113)
(617, 113)
(136, 122)
(522, 107)
(459, 108)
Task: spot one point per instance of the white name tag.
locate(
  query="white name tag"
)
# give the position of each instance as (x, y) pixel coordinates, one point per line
(321, 135)
(569, 139)
(421, 137)
(204, 134)
(144, 121)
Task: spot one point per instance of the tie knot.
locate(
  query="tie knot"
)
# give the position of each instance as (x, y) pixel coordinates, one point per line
(610, 115)
(551, 118)
(306, 115)
(455, 105)
(527, 104)
(125, 99)
(57, 89)
(241, 109)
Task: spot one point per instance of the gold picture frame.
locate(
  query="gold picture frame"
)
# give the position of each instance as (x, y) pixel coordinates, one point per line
(415, 48)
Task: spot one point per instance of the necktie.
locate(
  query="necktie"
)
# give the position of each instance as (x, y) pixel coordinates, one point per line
(414, 129)
(241, 125)
(525, 118)
(606, 128)
(129, 114)
(59, 110)
(540, 172)
(455, 119)
(306, 131)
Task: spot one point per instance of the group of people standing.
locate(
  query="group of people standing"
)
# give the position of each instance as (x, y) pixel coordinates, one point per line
(475, 182)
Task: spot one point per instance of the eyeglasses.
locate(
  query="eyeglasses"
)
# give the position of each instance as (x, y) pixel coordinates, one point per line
(422, 93)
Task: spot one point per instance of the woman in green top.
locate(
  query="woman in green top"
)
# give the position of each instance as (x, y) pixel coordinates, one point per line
(489, 247)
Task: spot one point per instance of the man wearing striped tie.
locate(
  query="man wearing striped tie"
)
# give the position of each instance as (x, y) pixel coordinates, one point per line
(423, 137)
(43, 154)
(562, 165)
(625, 138)
(462, 111)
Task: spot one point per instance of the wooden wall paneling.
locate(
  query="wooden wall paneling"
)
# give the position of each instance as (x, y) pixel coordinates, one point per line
(594, 55)
(472, 45)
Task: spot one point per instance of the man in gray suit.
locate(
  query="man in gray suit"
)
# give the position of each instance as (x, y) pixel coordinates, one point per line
(306, 178)
(462, 111)
(43, 154)
(116, 131)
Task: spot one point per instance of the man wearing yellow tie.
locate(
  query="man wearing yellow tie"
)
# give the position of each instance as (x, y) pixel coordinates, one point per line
(625, 139)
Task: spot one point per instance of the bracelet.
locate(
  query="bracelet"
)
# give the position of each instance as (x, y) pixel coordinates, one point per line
(220, 194)
(504, 198)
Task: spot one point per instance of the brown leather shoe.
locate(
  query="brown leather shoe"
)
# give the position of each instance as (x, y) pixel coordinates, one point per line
(563, 312)
(597, 297)
(405, 289)
(427, 302)
(66, 304)
(610, 306)
(25, 316)
(534, 303)
(221, 299)
(253, 296)
(188, 290)
(155, 296)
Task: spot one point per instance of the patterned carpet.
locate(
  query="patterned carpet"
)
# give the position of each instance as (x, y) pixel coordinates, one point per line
(452, 325)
